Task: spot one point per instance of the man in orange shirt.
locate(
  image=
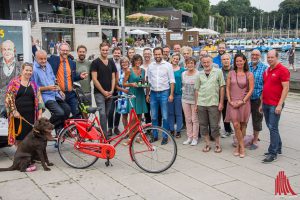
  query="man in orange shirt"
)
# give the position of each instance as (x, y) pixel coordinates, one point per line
(65, 72)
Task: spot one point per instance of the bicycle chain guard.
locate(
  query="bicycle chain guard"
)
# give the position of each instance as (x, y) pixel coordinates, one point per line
(100, 150)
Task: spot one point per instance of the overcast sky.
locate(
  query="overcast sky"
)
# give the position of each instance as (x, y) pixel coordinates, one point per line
(266, 5)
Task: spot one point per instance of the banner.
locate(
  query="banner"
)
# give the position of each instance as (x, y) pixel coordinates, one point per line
(15, 48)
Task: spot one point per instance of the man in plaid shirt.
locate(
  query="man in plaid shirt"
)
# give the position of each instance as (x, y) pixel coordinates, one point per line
(257, 68)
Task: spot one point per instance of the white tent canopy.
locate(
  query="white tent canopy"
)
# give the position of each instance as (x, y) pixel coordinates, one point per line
(204, 31)
(138, 32)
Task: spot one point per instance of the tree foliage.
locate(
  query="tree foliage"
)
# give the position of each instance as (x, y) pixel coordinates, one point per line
(199, 8)
(237, 13)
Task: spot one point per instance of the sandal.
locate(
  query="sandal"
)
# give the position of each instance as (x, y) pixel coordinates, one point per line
(218, 149)
(31, 168)
(206, 149)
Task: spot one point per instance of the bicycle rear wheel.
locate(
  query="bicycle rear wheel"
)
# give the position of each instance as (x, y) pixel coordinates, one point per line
(156, 157)
(69, 153)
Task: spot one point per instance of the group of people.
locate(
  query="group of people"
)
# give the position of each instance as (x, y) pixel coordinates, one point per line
(182, 90)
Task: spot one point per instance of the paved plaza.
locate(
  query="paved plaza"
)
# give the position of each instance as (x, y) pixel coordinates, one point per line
(195, 175)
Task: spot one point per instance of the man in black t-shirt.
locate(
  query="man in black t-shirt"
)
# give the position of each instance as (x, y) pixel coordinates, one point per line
(103, 76)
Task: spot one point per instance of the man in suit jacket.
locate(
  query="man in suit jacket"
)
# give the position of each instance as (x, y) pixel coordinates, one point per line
(64, 70)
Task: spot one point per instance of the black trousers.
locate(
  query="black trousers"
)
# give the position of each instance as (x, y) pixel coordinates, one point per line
(113, 116)
(60, 111)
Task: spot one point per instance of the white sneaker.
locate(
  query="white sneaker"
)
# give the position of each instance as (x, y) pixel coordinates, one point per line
(188, 141)
(194, 142)
(224, 135)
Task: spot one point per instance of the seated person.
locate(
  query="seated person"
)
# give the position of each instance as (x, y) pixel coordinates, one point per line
(51, 93)
(64, 69)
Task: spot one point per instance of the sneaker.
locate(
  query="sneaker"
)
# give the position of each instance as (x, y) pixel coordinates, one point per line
(172, 133)
(194, 142)
(178, 135)
(188, 141)
(270, 158)
(164, 141)
(266, 154)
(229, 133)
(117, 131)
(109, 132)
(224, 135)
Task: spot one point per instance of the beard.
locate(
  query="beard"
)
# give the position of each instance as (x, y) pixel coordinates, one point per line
(81, 57)
(158, 59)
(221, 52)
(255, 62)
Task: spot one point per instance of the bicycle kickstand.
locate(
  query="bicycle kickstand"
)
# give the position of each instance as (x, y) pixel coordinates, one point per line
(108, 163)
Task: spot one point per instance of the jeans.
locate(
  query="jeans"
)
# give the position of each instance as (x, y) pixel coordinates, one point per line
(104, 105)
(159, 99)
(175, 111)
(113, 116)
(272, 120)
(72, 101)
(59, 110)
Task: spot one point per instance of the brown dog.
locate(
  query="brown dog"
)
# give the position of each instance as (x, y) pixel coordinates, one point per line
(35, 143)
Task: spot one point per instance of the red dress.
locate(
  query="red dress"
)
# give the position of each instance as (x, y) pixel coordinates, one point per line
(239, 86)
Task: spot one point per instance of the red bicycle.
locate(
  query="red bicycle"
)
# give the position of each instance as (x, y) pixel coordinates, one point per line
(82, 142)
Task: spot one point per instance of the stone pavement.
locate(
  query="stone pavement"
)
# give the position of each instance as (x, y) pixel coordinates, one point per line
(195, 175)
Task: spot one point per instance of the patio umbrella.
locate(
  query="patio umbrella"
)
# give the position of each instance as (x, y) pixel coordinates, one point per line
(146, 17)
(138, 32)
(204, 31)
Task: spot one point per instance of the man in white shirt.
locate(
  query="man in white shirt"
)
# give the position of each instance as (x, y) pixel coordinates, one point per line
(161, 78)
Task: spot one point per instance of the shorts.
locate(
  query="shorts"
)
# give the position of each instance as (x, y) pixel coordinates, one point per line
(209, 116)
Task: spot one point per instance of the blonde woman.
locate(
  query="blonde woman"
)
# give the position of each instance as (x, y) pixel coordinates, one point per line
(186, 52)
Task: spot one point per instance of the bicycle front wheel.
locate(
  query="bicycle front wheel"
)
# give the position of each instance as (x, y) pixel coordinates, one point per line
(69, 153)
(158, 156)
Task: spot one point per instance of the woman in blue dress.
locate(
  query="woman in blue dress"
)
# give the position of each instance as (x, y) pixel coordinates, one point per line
(122, 103)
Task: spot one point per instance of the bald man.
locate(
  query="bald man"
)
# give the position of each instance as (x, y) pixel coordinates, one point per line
(276, 87)
(9, 68)
(51, 93)
(257, 67)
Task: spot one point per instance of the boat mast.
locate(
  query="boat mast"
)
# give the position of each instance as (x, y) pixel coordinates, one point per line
(273, 27)
(268, 25)
(281, 24)
(297, 27)
(289, 26)
(253, 30)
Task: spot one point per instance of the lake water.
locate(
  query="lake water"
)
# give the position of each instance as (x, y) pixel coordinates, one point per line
(282, 56)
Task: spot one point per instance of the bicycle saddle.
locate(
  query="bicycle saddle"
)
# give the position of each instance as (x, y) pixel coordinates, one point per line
(92, 109)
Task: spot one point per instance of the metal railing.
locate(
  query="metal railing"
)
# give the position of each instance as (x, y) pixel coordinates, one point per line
(86, 20)
(145, 24)
(111, 1)
(110, 22)
(55, 18)
(29, 16)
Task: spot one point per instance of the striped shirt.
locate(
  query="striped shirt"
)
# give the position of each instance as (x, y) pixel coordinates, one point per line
(258, 79)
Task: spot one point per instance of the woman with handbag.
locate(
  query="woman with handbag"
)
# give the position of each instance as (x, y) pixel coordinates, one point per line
(239, 88)
(24, 105)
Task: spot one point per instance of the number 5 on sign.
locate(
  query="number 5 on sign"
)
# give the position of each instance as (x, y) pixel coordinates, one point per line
(2, 36)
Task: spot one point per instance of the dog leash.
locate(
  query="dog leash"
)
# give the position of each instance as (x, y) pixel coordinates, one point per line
(22, 118)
